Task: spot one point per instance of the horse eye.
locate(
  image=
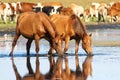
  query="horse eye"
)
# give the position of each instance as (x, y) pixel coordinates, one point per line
(84, 43)
(56, 43)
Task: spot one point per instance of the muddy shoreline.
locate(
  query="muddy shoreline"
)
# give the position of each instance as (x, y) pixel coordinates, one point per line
(103, 26)
(88, 26)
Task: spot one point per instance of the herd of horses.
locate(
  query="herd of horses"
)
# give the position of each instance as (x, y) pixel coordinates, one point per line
(105, 12)
(55, 29)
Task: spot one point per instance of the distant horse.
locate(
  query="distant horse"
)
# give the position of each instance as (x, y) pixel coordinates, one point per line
(35, 26)
(66, 11)
(72, 28)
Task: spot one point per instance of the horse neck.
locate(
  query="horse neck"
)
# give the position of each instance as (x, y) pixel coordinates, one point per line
(53, 32)
(83, 32)
(82, 28)
(83, 35)
(50, 27)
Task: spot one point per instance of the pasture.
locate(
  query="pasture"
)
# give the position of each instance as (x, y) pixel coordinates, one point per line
(66, 3)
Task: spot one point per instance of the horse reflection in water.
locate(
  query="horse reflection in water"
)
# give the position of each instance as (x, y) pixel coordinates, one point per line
(56, 71)
(68, 74)
(31, 75)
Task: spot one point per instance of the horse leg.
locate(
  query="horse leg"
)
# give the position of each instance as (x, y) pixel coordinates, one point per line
(12, 18)
(77, 46)
(37, 43)
(14, 43)
(17, 75)
(37, 71)
(99, 17)
(29, 67)
(111, 17)
(51, 49)
(67, 67)
(77, 64)
(52, 62)
(66, 44)
(28, 45)
(5, 19)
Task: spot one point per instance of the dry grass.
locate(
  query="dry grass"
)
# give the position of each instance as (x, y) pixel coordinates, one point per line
(66, 3)
(106, 43)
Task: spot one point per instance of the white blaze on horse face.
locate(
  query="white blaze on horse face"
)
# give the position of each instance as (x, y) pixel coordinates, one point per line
(54, 11)
(19, 5)
(7, 10)
(39, 5)
(15, 7)
(56, 7)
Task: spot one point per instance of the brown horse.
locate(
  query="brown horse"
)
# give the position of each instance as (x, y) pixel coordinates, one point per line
(72, 28)
(66, 11)
(35, 26)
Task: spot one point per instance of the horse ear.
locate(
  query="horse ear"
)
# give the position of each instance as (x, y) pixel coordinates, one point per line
(90, 34)
(73, 16)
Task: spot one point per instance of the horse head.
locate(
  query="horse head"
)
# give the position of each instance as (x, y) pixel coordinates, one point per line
(57, 44)
(87, 43)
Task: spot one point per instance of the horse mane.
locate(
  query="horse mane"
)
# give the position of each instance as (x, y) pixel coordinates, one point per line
(82, 26)
(53, 25)
(53, 29)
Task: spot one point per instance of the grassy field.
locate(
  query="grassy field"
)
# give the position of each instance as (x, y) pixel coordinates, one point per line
(85, 3)
(66, 3)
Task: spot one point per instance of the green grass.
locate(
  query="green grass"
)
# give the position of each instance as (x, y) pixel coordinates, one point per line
(8, 26)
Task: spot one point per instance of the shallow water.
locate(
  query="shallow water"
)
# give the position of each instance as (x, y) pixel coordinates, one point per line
(104, 65)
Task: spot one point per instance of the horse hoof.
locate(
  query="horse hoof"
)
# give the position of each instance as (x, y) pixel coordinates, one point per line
(90, 55)
(76, 55)
(61, 55)
(10, 54)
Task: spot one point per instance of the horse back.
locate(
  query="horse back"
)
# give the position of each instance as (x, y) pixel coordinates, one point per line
(29, 24)
(61, 22)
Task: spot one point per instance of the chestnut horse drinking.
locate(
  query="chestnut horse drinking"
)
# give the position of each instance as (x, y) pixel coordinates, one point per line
(72, 28)
(35, 26)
